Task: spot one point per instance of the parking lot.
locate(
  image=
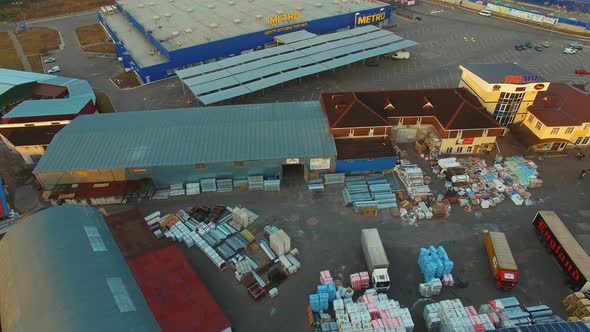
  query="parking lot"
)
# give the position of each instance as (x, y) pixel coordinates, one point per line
(327, 235)
(447, 37)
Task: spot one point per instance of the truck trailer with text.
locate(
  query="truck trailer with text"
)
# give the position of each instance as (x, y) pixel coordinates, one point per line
(560, 242)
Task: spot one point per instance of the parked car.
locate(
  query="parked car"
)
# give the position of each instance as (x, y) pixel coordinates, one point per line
(518, 47)
(524, 46)
(49, 60)
(54, 70)
(528, 44)
(545, 44)
(569, 50)
(485, 12)
(399, 55)
(418, 18)
(576, 46)
(582, 71)
(538, 48)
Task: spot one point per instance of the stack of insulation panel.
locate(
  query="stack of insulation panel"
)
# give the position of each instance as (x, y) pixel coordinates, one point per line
(451, 316)
(373, 312)
(208, 185)
(325, 277)
(272, 185)
(193, 189)
(256, 183)
(225, 185)
(371, 191)
(434, 263)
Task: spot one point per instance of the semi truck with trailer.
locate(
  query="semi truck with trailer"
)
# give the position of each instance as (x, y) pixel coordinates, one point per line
(501, 260)
(376, 259)
(562, 245)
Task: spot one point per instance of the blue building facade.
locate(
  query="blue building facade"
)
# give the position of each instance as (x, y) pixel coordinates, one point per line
(219, 49)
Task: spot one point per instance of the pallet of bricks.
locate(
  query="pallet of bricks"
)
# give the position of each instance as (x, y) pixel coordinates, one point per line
(370, 312)
(577, 306)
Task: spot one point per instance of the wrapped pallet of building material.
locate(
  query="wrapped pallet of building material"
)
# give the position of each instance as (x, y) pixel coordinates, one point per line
(277, 244)
(286, 240)
(240, 217)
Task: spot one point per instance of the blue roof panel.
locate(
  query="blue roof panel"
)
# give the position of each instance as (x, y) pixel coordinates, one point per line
(190, 136)
(32, 108)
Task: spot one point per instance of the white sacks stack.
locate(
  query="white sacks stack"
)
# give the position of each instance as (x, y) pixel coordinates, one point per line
(240, 217)
(280, 242)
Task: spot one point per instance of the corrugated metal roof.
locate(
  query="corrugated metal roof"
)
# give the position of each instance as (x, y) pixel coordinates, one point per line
(52, 280)
(30, 108)
(282, 63)
(190, 136)
(78, 90)
(292, 37)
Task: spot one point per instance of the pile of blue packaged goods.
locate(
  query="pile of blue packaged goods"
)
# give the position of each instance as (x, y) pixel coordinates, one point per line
(434, 263)
(325, 295)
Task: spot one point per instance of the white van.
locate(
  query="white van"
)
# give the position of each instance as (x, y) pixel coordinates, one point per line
(485, 12)
(399, 55)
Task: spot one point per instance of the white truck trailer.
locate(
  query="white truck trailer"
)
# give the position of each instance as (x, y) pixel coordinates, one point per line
(376, 259)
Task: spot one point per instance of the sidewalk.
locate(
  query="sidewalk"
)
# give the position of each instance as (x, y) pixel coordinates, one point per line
(20, 52)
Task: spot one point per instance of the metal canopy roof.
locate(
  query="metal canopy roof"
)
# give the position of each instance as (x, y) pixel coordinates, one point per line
(302, 55)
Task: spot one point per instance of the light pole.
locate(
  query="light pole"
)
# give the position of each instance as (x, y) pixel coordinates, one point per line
(17, 4)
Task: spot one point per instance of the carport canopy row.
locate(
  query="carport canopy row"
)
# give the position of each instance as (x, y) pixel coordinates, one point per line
(304, 54)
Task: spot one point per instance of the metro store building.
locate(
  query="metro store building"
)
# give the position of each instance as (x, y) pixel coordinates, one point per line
(155, 38)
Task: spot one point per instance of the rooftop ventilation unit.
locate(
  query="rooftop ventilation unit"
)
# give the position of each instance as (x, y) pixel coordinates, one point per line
(348, 10)
(190, 10)
(175, 34)
(207, 37)
(279, 12)
(211, 6)
(170, 0)
(213, 25)
(336, 2)
(151, 4)
(389, 106)
(259, 17)
(428, 104)
(188, 30)
(237, 20)
(344, 1)
(178, 43)
(141, 5)
(168, 15)
(319, 5)
(156, 17)
(299, 9)
(231, 3)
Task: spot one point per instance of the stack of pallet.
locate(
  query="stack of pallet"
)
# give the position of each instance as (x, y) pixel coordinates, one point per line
(578, 307)
(434, 263)
(373, 312)
(326, 277)
(413, 178)
(280, 242)
(451, 315)
(359, 281)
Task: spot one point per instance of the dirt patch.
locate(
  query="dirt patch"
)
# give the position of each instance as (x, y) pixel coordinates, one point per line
(126, 80)
(36, 65)
(100, 48)
(8, 57)
(47, 8)
(39, 40)
(91, 34)
(103, 103)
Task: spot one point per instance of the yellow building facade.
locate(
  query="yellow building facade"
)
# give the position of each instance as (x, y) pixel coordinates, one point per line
(505, 90)
(559, 119)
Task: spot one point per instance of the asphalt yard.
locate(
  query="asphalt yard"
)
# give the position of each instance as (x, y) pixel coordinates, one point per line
(327, 235)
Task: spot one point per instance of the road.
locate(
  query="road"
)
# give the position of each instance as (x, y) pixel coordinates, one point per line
(447, 37)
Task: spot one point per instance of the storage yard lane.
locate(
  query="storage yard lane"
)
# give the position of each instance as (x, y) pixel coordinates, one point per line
(327, 235)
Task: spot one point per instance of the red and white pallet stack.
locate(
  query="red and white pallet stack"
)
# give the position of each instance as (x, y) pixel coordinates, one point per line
(325, 277)
(360, 281)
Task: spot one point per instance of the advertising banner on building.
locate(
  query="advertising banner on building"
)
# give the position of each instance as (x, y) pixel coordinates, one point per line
(319, 163)
(539, 18)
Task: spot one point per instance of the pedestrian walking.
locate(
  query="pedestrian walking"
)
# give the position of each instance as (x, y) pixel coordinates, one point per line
(582, 174)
